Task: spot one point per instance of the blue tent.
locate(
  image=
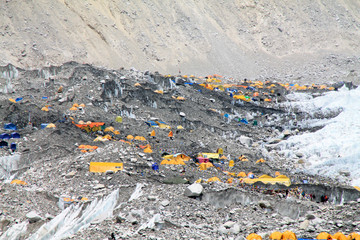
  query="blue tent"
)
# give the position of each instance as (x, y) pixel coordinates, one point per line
(18, 99)
(10, 126)
(13, 146)
(15, 135)
(155, 167)
(4, 136)
(44, 125)
(244, 121)
(3, 144)
(151, 123)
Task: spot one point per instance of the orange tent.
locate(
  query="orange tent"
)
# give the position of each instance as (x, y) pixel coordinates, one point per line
(288, 235)
(253, 236)
(171, 134)
(261, 160)
(230, 180)
(277, 174)
(130, 137)
(276, 236)
(241, 174)
(19, 182)
(324, 236)
(231, 163)
(152, 134)
(148, 150)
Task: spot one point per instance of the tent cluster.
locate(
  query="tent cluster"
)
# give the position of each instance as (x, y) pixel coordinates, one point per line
(289, 235)
(6, 136)
(176, 159)
(15, 100)
(281, 179)
(76, 107)
(87, 148)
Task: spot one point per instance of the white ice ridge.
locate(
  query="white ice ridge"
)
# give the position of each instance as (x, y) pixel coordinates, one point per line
(75, 218)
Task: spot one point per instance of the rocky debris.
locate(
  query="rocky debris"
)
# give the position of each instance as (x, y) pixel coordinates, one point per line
(56, 170)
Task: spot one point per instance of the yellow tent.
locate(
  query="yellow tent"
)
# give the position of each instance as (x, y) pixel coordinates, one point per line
(19, 182)
(253, 236)
(213, 179)
(180, 127)
(75, 105)
(107, 136)
(241, 174)
(220, 151)
(73, 108)
(354, 236)
(209, 155)
(180, 98)
(105, 166)
(340, 236)
(109, 129)
(223, 157)
(116, 132)
(275, 236)
(357, 188)
(324, 236)
(51, 125)
(231, 163)
(140, 138)
(260, 160)
(288, 235)
(159, 91)
(12, 100)
(137, 85)
(148, 150)
(45, 109)
(172, 162)
(130, 137)
(118, 119)
(182, 157)
(205, 166)
(168, 156)
(277, 174)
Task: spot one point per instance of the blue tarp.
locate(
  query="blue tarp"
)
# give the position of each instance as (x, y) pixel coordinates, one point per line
(226, 115)
(4, 136)
(44, 125)
(251, 88)
(190, 83)
(18, 99)
(10, 126)
(15, 135)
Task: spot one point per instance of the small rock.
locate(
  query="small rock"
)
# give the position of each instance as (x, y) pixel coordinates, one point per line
(304, 225)
(310, 216)
(151, 198)
(182, 114)
(265, 204)
(134, 160)
(49, 216)
(33, 217)
(70, 174)
(194, 190)
(235, 229)
(165, 203)
(229, 224)
(345, 173)
(120, 218)
(299, 154)
(286, 133)
(99, 186)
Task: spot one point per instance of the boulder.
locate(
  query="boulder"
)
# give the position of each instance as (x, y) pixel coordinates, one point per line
(165, 203)
(229, 224)
(33, 217)
(265, 204)
(246, 141)
(194, 190)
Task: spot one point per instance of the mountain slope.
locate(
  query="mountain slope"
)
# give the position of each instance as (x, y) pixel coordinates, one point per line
(309, 39)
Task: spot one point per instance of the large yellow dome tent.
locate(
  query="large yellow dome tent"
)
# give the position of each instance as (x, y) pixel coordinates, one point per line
(253, 236)
(340, 236)
(288, 235)
(324, 236)
(275, 236)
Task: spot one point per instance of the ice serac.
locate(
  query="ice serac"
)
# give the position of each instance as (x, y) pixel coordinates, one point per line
(16, 232)
(335, 147)
(75, 218)
(137, 192)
